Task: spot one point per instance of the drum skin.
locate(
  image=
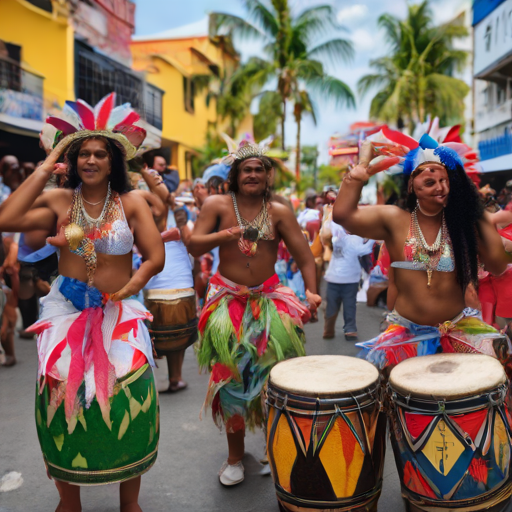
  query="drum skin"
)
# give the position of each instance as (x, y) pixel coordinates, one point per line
(452, 452)
(174, 325)
(326, 453)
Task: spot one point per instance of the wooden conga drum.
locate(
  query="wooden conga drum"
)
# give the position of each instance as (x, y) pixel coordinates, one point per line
(174, 325)
(326, 434)
(450, 431)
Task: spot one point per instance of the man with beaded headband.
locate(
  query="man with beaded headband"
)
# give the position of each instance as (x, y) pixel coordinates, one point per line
(249, 321)
(96, 402)
(435, 248)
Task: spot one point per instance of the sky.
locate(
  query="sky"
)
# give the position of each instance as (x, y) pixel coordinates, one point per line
(358, 16)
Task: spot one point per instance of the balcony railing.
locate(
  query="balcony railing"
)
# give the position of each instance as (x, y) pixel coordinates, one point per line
(97, 75)
(498, 146)
(21, 92)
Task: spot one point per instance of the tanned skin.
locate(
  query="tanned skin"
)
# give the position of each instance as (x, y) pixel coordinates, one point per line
(29, 208)
(218, 211)
(414, 300)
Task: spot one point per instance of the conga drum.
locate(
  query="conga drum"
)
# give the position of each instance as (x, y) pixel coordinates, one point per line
(450, 431)
(174, 325)
(326, 434)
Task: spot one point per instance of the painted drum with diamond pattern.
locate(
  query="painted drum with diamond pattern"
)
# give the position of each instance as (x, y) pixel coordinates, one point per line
(450, 431)
(326, 434)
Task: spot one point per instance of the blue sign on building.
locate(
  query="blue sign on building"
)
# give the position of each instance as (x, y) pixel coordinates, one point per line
(482, 8)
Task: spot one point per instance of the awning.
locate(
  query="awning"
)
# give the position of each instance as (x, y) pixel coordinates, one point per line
(500, 163)
(20, 126)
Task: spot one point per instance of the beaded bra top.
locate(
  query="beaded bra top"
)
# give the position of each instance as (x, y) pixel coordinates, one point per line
(418, 258)
(108, 234)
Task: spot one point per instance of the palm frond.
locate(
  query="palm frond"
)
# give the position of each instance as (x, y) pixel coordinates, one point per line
(316, 21)
(368, 82)
(391, 26)
(329, 88)
(334, 50)
(229, 24)
(261, 15)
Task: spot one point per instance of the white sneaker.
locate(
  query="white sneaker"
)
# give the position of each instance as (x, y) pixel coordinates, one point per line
(231, 474)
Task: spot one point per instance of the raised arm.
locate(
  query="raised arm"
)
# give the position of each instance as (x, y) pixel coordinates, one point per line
(290, 232)
(156, 205)
(203, 238)
(370, 221)
(148, 241)
(28, 208)
(490, 248)
(156, 185)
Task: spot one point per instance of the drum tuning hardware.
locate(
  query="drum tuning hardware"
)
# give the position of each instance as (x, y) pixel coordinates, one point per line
(441, 406)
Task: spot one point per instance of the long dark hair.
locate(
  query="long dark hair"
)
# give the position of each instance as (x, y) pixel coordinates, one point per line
(268, 164)
(462, 213)
(118, 177)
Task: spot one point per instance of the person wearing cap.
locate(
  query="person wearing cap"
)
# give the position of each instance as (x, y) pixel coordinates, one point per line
(435, 248)
(199, 191)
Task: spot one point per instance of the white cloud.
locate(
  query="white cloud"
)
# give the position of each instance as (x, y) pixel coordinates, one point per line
(363, 40)
(352, 13)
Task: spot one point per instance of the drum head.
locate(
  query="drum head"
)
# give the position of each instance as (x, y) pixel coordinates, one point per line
(447, 376)
(323, 376)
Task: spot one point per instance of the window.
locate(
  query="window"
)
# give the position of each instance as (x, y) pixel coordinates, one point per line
(486, 96)
(488, 38)
(188, 94)
(153, 105)
(45, 5)
(501, 93)
(96, 76)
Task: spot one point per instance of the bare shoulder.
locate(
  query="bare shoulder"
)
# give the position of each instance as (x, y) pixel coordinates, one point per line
(133, 203)
(280, 211)
(132, 198)
(393, 212)
(55, 198)
(217, 203)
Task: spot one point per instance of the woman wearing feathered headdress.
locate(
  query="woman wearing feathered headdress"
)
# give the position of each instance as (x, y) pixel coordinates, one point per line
(96, 405)
(435, 248)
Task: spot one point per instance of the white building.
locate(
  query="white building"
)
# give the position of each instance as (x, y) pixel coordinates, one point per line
(492, 86)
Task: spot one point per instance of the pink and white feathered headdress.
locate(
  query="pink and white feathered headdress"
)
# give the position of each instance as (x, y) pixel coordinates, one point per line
(79, 120)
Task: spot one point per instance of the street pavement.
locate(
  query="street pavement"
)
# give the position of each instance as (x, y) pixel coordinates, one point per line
(184, 478)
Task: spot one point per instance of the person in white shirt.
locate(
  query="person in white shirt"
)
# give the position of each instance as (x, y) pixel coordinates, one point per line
(310, 212)
(343, 276)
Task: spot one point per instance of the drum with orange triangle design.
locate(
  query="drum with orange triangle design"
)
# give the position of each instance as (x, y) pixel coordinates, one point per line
(326, 434)
(450, 431)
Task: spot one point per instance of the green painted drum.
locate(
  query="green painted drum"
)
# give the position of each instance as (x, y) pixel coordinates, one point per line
(88, 452)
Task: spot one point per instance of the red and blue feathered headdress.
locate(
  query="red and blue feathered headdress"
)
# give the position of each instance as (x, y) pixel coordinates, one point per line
(398, 148)
(78, 120)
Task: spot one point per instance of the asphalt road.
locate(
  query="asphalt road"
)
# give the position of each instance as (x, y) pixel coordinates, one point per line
(184, 478)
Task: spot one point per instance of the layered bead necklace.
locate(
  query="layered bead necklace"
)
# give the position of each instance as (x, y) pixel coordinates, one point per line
(260, 228)
(428, 255)
(83, 230)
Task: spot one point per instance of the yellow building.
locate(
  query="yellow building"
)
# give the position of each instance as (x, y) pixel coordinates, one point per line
(170, 60)
(36, 67)
(50, 53)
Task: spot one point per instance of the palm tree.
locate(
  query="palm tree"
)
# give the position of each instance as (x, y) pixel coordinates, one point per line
(296, 46)
(416, 78)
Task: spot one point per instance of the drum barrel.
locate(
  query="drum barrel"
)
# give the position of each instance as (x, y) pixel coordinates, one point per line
(452, 454)
(174, 325)
(309, 441)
